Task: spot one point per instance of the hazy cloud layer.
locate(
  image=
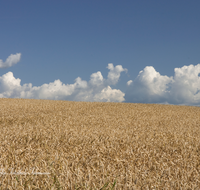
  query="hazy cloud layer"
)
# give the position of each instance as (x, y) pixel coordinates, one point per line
(148, 87)
(152, 87)
(10, 61)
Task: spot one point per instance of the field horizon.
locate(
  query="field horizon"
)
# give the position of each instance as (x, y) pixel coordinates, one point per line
(57, 144)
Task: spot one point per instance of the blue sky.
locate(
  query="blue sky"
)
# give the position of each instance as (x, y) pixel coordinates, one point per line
(65, 39)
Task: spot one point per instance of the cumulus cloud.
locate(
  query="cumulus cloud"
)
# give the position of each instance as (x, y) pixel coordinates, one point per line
(97, 89)
(129, 82)
(96, 79)
(109, 95)
(148, 87)
(152, 87)
(10, 61)
(114, 74)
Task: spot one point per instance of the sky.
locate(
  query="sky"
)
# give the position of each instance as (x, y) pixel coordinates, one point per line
(133, 51)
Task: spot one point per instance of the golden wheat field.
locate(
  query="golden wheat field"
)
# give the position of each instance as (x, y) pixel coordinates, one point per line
(47, 144)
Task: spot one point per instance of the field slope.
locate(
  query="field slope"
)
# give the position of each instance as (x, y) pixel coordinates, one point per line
(46, 144)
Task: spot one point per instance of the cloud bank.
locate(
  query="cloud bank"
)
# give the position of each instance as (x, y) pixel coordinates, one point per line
(148, 87)
(10, 61)
(152, 87)
(97, 89)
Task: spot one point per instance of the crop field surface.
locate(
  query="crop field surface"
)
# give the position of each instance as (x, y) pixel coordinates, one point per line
(48, 144)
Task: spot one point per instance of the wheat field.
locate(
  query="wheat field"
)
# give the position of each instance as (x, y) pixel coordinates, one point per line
(48, 144)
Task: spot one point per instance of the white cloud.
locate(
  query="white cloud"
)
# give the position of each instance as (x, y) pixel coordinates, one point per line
(148, 87)
(109, 95)
(114, 74)
(152, 87)
(10, 61)
(96, 79)
(186, 86)
(129, 82)
(97, 89)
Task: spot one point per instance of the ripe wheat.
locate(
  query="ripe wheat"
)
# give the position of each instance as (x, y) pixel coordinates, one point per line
(46, 144)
